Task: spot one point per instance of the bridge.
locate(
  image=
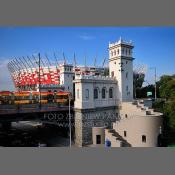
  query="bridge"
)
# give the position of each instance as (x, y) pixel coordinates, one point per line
(32, 108)
(49, 112)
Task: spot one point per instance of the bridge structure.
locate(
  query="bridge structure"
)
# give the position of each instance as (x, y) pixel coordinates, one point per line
(45, 113)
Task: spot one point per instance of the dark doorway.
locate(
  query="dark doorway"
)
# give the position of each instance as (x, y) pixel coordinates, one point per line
(98, 139)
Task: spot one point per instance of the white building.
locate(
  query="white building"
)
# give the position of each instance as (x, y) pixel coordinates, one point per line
(123, 121)
(121, 68)
(66, 77)
(95, 105)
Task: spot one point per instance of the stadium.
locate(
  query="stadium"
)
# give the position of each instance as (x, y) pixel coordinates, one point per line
(34, 73)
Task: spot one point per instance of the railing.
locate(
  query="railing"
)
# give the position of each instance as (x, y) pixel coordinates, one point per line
(9, 109)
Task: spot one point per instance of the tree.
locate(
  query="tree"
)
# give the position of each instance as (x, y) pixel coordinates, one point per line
(138, 79)
(167, 86)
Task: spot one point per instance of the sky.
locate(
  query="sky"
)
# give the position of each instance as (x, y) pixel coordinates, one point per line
(154, 46)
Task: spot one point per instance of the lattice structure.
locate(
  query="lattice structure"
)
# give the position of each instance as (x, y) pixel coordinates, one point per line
(26, 75)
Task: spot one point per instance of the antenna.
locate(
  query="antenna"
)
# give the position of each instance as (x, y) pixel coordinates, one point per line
(64, 58)
(85, 61)
(75, 63)
(95, 60)
(104, 62)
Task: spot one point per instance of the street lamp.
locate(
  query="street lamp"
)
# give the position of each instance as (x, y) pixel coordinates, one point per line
(39, 80)
(69, 122)
(155, 79)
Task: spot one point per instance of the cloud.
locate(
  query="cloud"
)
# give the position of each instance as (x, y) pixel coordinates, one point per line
(6, 82)
(86, 37)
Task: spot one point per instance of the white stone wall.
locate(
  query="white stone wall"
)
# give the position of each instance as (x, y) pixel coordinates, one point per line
(134, 121)
(89, 84)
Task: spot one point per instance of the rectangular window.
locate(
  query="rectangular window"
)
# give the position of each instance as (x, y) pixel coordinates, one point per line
(87, 93)
(143, 138)
(125, 134)
(126, 88)
(126, 75)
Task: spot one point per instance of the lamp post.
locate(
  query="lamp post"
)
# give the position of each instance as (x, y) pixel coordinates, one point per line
(39, 80)
(70, 123)
(155, 79)
(39, 60)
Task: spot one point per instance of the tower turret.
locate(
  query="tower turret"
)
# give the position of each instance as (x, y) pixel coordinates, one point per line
(121, 67)
(67, 77)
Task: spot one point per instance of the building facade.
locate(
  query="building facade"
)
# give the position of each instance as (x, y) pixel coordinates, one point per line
(121, 68)
(95, 106)
(128, 122)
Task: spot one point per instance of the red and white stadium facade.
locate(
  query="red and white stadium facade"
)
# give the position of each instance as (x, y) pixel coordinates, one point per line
(26, 75)
(26, 79)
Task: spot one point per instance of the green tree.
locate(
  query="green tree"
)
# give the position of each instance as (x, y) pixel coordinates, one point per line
(167, 86)
(138, 79)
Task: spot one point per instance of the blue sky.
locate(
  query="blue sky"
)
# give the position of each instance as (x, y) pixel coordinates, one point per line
(154, 46)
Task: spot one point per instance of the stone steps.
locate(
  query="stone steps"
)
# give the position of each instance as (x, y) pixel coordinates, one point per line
(119, 138)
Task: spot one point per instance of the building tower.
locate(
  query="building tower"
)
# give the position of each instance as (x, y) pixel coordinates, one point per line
(121, 68)
(66, 77)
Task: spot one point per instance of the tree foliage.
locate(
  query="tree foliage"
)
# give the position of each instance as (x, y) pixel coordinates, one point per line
(138, 79)
(166, 87)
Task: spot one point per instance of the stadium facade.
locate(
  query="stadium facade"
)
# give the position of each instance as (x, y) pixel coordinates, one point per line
(30, 74)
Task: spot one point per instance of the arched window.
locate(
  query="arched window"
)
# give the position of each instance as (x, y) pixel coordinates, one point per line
(111, 92)
(87, 93)
(78, 93)
(96, 93)
(144, 138)
(111, 53)
(118, 51)
(103, 93)
(114, 52)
